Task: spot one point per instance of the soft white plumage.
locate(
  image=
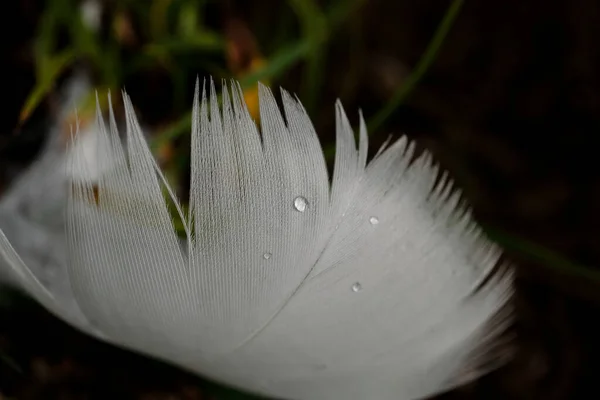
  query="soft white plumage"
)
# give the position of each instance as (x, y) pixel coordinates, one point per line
(376, 286)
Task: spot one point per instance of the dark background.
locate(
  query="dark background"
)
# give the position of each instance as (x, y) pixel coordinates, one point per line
(510, 105)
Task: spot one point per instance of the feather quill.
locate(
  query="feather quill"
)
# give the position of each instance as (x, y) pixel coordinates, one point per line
(376, 286)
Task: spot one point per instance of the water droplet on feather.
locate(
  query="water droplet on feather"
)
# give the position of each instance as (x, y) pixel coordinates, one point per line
(300, 204)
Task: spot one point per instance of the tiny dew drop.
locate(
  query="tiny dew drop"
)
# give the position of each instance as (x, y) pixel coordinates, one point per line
(300, 204)
(357, 287)
(374, 220)
(266, 256)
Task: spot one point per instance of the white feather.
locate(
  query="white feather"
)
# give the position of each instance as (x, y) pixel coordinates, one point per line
(374, 287)
(32, 214)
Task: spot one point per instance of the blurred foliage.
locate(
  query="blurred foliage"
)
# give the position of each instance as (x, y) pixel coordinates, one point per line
(176, 35)
(163, 33)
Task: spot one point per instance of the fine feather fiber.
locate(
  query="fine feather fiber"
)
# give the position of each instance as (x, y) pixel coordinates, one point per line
(377, 285)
